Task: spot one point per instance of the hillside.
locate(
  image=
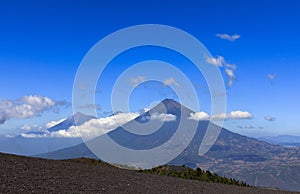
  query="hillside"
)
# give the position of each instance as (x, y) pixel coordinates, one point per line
(235, 156)
(21, 174)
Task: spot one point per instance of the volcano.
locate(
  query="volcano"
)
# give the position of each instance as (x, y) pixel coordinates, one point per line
(247, 159)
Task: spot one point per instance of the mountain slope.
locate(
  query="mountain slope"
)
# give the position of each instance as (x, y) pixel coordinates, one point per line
(76, 119)
(133, 141)
(31, 175)
(247, 159)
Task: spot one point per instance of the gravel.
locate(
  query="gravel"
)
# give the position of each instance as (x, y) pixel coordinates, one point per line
(19, 174)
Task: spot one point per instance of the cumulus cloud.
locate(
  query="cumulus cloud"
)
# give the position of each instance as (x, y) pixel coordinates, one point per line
(239, 115)
(91, 128)
(269, 118)
(231, 76)
(231, 66)
(199, 116)
(221, 116)
(163, 117)
(26, 107)
(28, 128)
(135, 81)
(96, 127)
(217, 61)
(234, 115)
(229, 69)
(171, 81)
(34, 127)
(33, 135)
(228, 37)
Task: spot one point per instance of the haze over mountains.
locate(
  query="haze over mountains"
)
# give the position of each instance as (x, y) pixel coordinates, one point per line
(285, 140)
(247, 159)
(26, 145)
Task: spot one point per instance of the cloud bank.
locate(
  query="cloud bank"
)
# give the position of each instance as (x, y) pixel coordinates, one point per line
(27, 107)
(163, 117)
(234, 115)
(199, 116)
(89, 129)
(96, 127)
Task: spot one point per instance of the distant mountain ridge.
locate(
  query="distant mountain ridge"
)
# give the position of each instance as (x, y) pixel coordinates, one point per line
(285, 140)
(247, 159)
(76, 119)
(31, 146)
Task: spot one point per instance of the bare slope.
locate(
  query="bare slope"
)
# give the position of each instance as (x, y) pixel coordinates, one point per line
(24, 174)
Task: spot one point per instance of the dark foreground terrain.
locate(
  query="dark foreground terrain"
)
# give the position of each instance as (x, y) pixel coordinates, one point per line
(24, 174)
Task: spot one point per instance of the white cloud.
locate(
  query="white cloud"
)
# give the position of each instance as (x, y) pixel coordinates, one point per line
(137, 80)
(53, 123)
(239, 115)
(144, 110)
(271, 76)
(231, 66)
(221, 116)
(171, 81)
(33, 135)
(26, 107)
(199, 116)
(34, 127)
(163, 117)
(235, 115)
(39, 101)
(91, 128)
(28, 128)
(228, 37)
(9, 136)
(269, 118)
(231, 76)
(96, 127)
(219, 61)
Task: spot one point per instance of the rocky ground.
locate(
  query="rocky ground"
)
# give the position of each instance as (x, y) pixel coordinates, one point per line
(20, 174)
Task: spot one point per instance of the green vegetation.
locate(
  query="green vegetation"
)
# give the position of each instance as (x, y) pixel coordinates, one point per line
(188, 173)
(89, 161)
(174, 171)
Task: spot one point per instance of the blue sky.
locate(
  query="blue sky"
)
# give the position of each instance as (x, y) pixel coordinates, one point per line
(43, 42)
